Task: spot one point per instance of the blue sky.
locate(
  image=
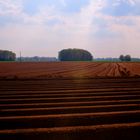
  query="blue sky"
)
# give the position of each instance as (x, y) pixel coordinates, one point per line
(107, 28)
(64, 6)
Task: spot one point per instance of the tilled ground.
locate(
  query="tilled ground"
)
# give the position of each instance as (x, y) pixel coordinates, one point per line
(68, 70)
(100, 109)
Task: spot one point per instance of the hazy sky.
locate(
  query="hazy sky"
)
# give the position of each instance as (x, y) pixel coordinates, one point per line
(107, 28)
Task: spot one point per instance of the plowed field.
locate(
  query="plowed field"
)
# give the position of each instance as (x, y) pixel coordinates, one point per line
(75, 101)
(68, 70)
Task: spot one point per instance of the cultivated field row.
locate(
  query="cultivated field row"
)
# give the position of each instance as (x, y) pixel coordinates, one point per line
(64, 70)
(70, 109)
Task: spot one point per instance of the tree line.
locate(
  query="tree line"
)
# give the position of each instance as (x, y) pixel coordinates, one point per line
(6, 55)
(83, 55)
(65, 55)
(37, 59)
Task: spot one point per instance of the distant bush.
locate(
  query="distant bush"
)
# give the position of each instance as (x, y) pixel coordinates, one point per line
(125, 58)
(75, 55)
(7, 55)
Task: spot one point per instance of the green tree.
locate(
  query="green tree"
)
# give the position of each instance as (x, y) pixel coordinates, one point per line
(7, 55)
(125, 58)
(122, 57)
(75, 55)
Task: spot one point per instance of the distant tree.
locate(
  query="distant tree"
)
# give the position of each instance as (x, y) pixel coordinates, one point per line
(7, 55)
(75, 55)
(122, 58)
(125, 58)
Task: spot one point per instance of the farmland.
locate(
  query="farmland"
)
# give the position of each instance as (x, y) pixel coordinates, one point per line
(69, 101)
(70, 70)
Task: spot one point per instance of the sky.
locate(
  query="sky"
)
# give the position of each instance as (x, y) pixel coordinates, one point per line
(106, 28)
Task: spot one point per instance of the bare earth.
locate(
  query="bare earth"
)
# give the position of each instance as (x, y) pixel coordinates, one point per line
(68, 70)
(69, 101)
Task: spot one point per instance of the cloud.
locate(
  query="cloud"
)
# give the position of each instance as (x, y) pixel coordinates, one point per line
(122, 8)
(40, 27)
(8, 7)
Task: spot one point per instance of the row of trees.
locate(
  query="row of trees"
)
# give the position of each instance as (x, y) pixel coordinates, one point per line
(7, 55)
(75, 55)
(83, 55)
(64, 55)
(37, 59)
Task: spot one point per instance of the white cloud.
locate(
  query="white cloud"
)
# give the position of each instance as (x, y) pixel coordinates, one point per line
(10, 7)
(38, 35)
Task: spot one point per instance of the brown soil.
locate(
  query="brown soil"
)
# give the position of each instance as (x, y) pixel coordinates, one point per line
(65, 70)
(71, 109)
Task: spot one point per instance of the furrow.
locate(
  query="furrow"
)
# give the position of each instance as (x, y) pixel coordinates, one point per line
(70, 99)
(68, 104)
(127, 131)
(68, 110)
(61, 120)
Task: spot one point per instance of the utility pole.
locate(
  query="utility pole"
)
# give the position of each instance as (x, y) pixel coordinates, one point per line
(20, 56)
